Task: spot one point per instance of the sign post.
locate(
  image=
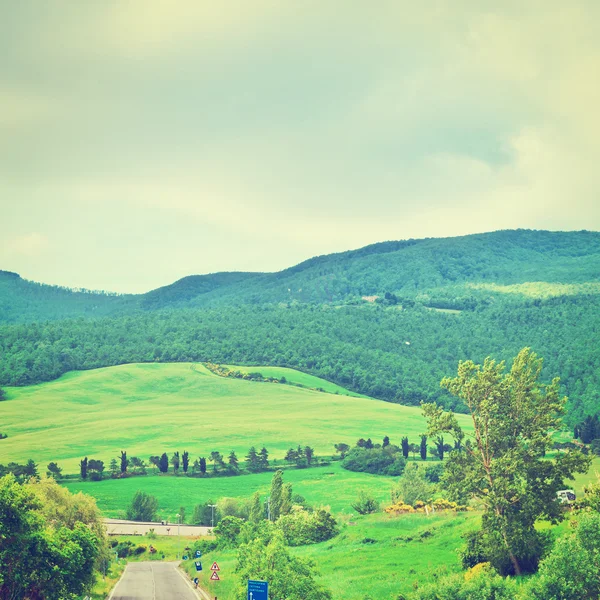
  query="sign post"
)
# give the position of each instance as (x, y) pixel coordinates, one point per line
(258, 590)
(198, 565)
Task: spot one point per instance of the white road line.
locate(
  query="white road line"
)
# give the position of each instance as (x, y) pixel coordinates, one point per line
(118, 582)
(200, 593)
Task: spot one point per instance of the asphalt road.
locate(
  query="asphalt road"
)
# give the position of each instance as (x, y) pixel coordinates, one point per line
(153, 581)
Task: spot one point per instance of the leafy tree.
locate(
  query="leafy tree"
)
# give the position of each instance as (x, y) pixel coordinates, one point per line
(513, 416)
(423, 447)
(412, 486)
(291, 455)
(252, 461)
(386, 441)
(233, 463)
(570, 571)
(276, 494)
(203, 465)
(54, 470)
(163, 464)
(113, 466)
(217, 459)
(264, 459)
(124, 461)
(309, 454)
(95, 469)
(227, 531)
(83, 466)
(182, 514)
(155, 462)
(43, 558)
(139, 466)
(365, 503)
(257, 512)
(342, 449)
(175, 462)
(185, 461)
(302, 527)
(441, 448)
(286, 499)
(405, 447)
(266, 557)
(203, 514)
(143, 507)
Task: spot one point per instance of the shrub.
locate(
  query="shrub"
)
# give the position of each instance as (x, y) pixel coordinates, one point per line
(570, 571)
(365, 503)
(301, 527)
(143, 507)
(379, 461)
(227, 531)
(139, 549)
(123, 549)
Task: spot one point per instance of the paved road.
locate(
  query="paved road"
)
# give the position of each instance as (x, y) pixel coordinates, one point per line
(120, 527)
(153, 581)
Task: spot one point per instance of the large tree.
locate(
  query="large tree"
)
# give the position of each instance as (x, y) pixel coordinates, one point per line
(47, 550)
(501, 464)
(143, 507)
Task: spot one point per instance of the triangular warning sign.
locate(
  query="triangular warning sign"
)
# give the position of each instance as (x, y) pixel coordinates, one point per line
(215, 576)
(215, 567)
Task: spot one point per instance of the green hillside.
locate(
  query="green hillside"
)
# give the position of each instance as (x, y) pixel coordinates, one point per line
(154, 408)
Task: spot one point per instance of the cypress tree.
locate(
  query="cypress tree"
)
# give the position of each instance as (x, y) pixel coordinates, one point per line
(83, 465)
(423, 447)
(163, 463)
(405, 447)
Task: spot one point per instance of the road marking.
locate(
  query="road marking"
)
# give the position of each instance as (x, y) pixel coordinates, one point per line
(118, 582)
(200, 593)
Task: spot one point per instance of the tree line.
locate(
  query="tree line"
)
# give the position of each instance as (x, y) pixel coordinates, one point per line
(359, 347)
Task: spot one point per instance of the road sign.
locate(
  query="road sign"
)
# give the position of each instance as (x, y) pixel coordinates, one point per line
(258, 590)
(198, 554)
(215, 576)
(215, 567)
(185, 557)
(198, 565)
(196, 580)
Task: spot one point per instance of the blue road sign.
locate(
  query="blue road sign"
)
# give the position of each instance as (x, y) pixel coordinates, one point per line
(198, 565)
(196, 580)
(198, 554)
(185, 557)
(258, 590)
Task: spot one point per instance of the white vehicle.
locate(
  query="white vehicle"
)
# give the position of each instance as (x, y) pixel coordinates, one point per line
(566, 496)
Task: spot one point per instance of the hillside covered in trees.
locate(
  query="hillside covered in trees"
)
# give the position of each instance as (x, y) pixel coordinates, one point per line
(430, 303)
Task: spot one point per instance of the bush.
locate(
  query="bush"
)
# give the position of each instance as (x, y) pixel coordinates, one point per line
(227, 531)
(123, 549)
(379, 461)
(365, 503)
(139, 549)
(570, 571)
(301, 527)
(481, 583)
(434, 472)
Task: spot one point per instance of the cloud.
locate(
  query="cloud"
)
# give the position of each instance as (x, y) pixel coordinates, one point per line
(28, 245)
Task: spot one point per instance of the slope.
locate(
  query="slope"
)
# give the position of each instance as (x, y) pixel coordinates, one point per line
(153, 408)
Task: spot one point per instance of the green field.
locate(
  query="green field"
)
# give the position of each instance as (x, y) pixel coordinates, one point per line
(321, 486)
(147, 409)
(401, 552)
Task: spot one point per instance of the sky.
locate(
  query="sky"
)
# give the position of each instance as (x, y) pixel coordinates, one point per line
(143, 140)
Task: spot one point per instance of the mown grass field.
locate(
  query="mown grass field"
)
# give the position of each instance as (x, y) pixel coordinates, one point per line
(147, 409)
(321, 486)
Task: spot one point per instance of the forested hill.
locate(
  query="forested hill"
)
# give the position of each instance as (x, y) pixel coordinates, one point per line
(407, 269)
(388, 320)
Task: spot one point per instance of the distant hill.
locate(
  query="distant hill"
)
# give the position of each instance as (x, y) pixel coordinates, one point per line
(388, 320)
(406, 268)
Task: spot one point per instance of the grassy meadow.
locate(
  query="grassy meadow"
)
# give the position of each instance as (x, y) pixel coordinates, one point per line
(321, 486)
(375, 556)
(147, 409)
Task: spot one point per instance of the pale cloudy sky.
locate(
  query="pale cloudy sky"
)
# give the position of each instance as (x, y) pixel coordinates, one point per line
(145, 140)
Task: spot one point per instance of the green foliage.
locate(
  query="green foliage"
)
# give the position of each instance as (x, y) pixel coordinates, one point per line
(301, 527)
(276, 494)
(143, 507)
(203, 514)
(380, 461)
(413, 486)
(484, 585)
(267, 558)
(227, 531)
(365, 503)
(43, 558)
(503, 466)
(570, 571)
